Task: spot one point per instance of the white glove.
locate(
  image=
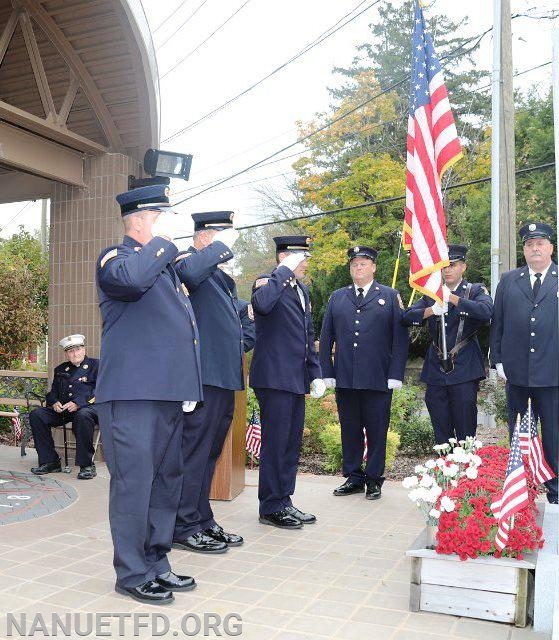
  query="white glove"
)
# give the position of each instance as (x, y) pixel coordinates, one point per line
(317, 388)
(293, 260)
(500, 371)
(394, 384)
(330, 383)
(188, 406)
(446, 293)
(227, 236)
(166, 224)
(439, 310)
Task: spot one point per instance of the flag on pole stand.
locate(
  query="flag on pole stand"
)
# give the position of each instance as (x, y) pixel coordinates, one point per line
(531, 446)
(18, 430)
(253, 436)
(432, 147)
(515, 492)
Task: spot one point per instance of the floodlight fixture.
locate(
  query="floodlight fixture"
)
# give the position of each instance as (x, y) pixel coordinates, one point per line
(167, 164)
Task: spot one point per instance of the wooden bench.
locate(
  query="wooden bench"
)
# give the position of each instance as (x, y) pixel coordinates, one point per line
(22, 390)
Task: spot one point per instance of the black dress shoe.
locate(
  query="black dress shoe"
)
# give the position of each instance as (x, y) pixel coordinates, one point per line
(150, 592)
(201, 543)
(373, 491)
(217, 533)
(87, 473)
(282, 520)
(347, 488)
(305, 518)
(172, 582)
(48, 467)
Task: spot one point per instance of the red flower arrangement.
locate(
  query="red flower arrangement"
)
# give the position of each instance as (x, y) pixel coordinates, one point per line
(469, 530)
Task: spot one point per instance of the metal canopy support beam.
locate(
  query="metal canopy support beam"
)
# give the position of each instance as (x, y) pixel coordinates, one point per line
(59, 40)
(16, 186)
(37, 66)
(25, 151)
(68, 100)
(49, 130)
(8, 33)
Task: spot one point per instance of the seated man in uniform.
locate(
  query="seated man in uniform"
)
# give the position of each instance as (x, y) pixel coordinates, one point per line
(69, 400)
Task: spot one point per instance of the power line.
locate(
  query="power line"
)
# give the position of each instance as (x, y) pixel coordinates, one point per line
(329, 123)
(16, 215)
(197, 47)
(321, 38)
(373, 203)
(182, 24)
(179, 6)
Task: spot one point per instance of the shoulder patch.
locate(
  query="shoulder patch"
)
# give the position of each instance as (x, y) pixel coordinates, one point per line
(260, 282)
(181, 256)
(108, 256)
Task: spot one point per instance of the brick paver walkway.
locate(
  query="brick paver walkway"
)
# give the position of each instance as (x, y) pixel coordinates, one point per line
(345, 577)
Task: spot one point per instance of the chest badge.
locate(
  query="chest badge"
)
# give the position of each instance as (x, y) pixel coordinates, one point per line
(382, 302)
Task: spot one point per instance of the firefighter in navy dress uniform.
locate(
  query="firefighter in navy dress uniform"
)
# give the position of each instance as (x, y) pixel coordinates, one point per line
(69, 400)
(213, 295)
(364, 322)
(284, 368)
(149, 372)
(452, 386)
(524, 345)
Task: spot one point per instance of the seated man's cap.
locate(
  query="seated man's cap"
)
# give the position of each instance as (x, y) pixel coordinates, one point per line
(213, 220)
(76, 340)
(154, 197)
(361, 251)
(535, 230)
(457, 252)
(292, 243)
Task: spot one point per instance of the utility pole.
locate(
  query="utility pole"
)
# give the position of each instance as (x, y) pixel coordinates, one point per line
(503, 183)
(42, 349)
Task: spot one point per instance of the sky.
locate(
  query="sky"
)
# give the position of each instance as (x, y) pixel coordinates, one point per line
(258, 38)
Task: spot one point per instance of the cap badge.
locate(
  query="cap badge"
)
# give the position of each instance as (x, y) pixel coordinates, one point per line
(167, 192)
(308, 240)
(355, 249)
(532, 227)
(231, 215)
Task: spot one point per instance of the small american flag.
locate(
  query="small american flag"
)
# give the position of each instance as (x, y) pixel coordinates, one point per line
(515, 493)
(18, 430)
(254, 435)
(531, 446)
(432, 147)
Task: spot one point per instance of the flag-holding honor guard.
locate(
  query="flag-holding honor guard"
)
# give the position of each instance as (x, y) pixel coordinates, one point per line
(525, 343)
(452, 384)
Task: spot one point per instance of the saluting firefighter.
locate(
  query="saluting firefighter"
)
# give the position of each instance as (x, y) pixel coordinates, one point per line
(364, 322)
(149, 368)
(69, 400)
(524, 340)
(213, 295)
(284, 368)
(452, 385)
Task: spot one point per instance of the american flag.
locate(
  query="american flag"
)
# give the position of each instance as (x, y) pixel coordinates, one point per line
(515, 493)
(531, 446)
(18, 430)
(254, 435)
(432, 147)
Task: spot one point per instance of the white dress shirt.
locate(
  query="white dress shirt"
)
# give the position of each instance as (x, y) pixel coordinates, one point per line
(365, 288)
(533, 275)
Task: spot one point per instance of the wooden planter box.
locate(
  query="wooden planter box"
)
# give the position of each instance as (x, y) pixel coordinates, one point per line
(497, 589)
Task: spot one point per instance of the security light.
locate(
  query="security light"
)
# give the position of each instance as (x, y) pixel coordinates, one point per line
(167, 164)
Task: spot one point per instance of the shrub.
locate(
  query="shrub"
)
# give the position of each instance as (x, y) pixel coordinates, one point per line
(416, 436)
(318, 413)
(406, 402)
(331, 442)
(493, 399)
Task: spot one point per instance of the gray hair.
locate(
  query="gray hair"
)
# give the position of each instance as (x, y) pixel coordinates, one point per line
(127, 220)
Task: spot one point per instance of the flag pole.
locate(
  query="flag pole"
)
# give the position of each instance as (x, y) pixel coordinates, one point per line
(555, 77)
(495, 144)
(397, 263)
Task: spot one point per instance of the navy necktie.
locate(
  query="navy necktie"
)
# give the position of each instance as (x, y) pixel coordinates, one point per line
(537, 285)
(360, 295)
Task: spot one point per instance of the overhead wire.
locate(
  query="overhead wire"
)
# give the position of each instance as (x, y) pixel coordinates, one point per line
(172, 35)
(373, 203)
(13, 218)
(201, 44)
(173, 13)
(321, 38)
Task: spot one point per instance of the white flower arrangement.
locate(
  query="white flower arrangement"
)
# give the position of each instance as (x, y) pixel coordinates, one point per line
(455, 460)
